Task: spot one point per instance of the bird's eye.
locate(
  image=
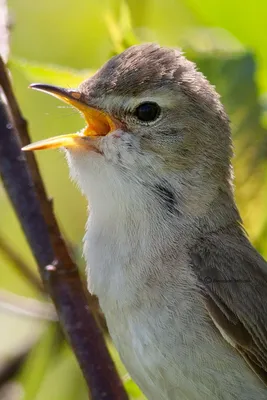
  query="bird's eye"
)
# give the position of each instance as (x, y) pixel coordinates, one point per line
(147, 112)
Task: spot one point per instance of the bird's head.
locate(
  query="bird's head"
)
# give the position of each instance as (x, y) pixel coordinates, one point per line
(153, 120)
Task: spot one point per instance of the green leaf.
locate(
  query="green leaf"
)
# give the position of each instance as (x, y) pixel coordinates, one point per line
(246, 23)
(37, 364)
(121, 31)
(52, 74)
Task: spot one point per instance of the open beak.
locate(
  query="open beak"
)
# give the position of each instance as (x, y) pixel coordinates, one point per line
(98, 122)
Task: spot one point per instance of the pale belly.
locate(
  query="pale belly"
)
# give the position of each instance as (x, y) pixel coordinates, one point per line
(179, 363)
(161, 330)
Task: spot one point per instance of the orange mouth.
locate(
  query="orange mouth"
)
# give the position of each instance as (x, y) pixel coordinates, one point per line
(98, 122)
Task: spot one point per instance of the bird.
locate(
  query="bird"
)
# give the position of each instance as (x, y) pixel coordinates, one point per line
(183, 290)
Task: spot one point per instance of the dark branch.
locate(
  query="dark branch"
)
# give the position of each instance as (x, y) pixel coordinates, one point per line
(26, 191)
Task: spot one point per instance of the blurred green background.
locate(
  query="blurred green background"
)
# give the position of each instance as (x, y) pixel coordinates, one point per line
(63, 42)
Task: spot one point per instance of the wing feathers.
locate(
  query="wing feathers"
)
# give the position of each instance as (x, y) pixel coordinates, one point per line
(232, 278)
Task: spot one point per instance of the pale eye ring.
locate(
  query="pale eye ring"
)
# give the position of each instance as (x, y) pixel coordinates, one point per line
(147, 111)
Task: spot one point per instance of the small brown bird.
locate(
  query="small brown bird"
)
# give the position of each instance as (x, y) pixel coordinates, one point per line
(183, 290)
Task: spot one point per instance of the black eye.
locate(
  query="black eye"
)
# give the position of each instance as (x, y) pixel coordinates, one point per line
(147, 112)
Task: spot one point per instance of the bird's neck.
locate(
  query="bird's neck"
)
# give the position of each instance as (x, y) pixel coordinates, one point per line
(132, 239)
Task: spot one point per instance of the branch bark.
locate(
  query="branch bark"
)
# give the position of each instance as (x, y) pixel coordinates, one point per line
(27, 194)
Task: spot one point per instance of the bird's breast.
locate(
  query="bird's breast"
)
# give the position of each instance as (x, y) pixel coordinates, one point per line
(156, 316)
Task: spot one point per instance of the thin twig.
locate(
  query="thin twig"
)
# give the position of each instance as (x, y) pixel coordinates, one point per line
(20, 265)
(11, 367)
(11, 391)
(58, 271)
(26, 306)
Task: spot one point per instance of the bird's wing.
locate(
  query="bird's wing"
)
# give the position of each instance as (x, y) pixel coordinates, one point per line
(232, 277)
